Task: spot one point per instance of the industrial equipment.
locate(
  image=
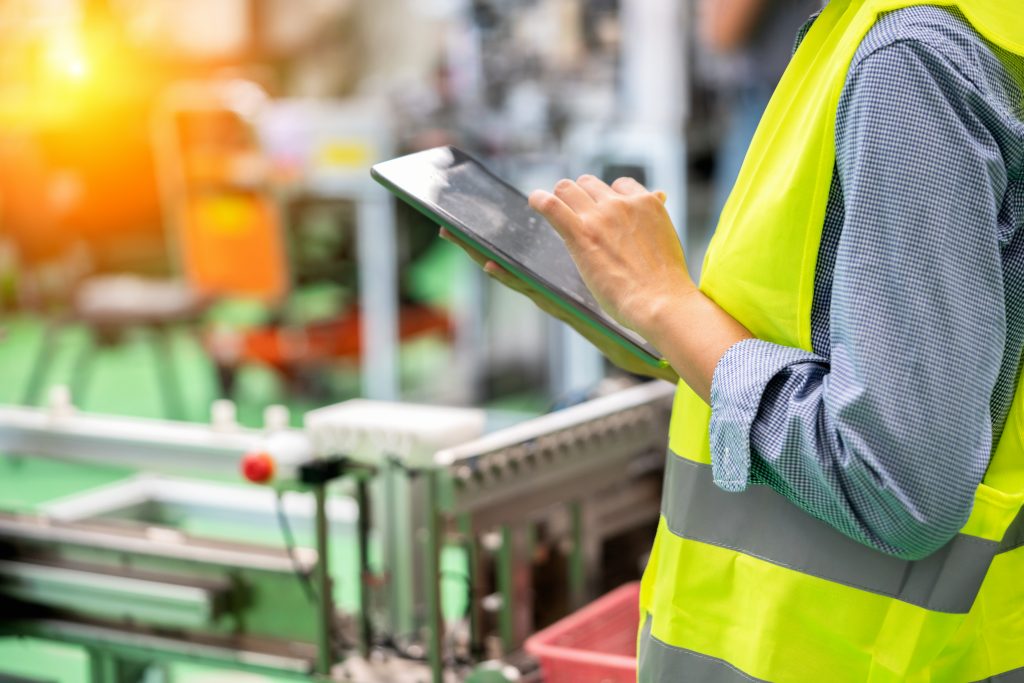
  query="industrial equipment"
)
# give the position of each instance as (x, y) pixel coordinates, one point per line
(541, 516)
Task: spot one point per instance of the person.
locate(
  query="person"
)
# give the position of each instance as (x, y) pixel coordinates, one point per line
(844, 485)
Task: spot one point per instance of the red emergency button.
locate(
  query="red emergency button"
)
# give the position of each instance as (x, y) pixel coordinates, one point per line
(258, 467)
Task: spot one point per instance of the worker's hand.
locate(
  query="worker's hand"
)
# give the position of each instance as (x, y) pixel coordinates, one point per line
(615, 353)
(624, 245)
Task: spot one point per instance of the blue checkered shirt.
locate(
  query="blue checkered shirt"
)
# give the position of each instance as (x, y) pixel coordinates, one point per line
(886, 429)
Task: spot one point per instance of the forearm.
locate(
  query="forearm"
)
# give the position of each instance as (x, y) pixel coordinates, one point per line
(693, 332)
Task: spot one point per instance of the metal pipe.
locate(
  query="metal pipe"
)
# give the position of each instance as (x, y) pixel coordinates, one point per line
(365, 575)
(158, 649)
(95, 593)
(153, 542)
(325, 627)
(432, 572)
(577, 558)
(376, 242)
(506, 589)
(476, 646)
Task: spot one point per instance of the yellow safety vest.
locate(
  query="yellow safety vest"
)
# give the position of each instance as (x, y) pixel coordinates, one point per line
(746, 586)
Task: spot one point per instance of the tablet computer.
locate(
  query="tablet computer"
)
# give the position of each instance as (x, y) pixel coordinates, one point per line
(457, 191)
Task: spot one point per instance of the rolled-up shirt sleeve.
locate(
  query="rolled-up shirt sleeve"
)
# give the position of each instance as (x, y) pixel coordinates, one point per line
(887, 437)
(740, 380)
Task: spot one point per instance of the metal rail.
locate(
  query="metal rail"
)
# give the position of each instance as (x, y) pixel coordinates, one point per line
(152, 445)
(154, 542)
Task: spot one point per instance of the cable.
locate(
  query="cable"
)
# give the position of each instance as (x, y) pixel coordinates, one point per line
(308, 589)
(289, 541)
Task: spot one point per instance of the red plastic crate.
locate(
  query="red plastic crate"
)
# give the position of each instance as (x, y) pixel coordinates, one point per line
(595, 644)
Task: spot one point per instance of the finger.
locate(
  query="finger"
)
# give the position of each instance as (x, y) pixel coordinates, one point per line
(574, 196)
(632, 187)
(545, 304)
(496, 271)
(492, 268)
(628, 186)
(473, 253)
(595, 187)
(561, 217)
(506, 278)
(446, 234)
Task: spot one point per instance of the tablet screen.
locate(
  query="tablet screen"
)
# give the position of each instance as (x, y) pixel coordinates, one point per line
(452, 185)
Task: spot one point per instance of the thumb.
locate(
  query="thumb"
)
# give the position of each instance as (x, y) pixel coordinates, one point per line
(662, 197)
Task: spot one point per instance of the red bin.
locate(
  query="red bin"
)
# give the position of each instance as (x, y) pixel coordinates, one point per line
(595, 644)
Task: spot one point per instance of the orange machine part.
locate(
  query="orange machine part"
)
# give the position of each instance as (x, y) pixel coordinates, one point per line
(232, 246)
(332, 340)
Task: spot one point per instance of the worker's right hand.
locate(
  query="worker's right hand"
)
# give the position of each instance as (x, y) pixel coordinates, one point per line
(615, 353)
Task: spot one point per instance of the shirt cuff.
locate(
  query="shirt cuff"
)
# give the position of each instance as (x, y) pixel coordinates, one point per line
(739, 381)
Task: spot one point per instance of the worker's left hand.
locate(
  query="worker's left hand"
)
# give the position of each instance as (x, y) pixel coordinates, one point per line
(624, 245)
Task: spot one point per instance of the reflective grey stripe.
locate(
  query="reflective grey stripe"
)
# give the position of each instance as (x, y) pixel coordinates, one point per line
(1015, 676)
(1014, 536)
(658, 662)
(762, 523)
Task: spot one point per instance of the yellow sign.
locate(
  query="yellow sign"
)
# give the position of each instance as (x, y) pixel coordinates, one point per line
(345, 154)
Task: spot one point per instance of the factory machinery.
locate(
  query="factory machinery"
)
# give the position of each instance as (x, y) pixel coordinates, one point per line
(542, 517)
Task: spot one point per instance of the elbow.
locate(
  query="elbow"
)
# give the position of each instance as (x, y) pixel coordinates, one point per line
(916, 530)
(913, 497)
(917, 545)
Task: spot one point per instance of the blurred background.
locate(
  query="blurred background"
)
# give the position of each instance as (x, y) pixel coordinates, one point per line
(186, 212)
(184, 190)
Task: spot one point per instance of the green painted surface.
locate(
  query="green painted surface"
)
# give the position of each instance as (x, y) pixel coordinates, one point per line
(42, 660)
(25, 483)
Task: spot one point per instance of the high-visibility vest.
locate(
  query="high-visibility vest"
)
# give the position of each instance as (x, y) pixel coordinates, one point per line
(746, 586)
